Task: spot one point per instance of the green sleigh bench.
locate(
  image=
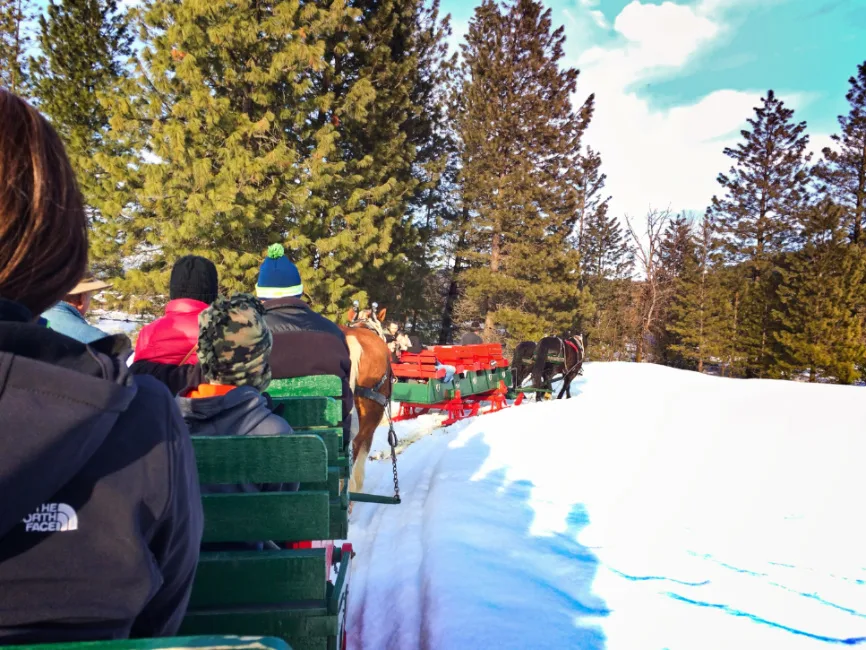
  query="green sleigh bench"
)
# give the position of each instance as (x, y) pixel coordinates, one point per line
(170, 643)
(282, 598)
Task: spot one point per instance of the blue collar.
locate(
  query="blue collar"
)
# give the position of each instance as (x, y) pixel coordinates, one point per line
(69, 310)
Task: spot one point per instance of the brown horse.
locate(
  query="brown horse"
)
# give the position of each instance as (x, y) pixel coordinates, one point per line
(372, 380)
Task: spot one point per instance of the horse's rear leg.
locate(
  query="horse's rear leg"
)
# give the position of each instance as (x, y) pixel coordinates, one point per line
(361, 445)
(564, 388)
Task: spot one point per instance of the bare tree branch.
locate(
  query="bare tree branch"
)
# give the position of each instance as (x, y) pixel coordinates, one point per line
(646, 248)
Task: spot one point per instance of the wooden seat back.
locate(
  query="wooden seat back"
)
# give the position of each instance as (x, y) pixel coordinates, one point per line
(284, 593)
(313, 405)
(170, 643)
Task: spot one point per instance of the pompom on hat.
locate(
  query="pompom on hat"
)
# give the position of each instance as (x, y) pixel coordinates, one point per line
(278, 276)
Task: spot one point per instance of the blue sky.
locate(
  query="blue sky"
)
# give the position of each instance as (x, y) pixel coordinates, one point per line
(676, 80)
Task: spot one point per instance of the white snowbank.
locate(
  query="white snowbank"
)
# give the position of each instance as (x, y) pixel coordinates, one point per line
(655, 509)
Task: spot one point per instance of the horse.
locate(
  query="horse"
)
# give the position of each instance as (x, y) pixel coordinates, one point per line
(371, 370)
(569, 352)
(520, 370)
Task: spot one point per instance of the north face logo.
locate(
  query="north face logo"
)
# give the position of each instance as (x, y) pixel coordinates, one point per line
(51, 517)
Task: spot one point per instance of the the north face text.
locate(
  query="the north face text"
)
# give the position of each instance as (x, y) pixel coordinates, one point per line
(51, 517)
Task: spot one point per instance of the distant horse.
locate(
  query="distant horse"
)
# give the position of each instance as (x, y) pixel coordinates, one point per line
(371, 369)
(568, 356)
(520, 369)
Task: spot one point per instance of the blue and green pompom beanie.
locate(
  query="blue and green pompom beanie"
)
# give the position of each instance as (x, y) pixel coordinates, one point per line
(278, 276)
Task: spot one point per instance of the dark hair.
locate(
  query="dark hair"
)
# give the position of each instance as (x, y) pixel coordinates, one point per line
(43, 226)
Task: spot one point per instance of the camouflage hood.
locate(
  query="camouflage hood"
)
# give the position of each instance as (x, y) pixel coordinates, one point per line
(234, 342)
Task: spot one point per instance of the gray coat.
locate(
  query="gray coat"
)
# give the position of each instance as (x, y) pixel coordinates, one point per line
(243, 411)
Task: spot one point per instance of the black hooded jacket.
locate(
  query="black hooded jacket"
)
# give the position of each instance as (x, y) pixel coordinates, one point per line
(100, 516)
(307, 343)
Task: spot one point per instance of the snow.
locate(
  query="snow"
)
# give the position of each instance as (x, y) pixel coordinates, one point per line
(657, 508)
(116, 322)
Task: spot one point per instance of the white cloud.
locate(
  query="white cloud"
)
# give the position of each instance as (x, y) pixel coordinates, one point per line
(662, 156)
(596, 15)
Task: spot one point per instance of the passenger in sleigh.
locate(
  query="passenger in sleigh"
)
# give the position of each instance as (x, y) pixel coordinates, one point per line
(101, 514)
(473, 335)
(305, 342)
(166, 348)
(68, 315)
(412, 344)
(234, 345)
(234, 348)
(399, 342)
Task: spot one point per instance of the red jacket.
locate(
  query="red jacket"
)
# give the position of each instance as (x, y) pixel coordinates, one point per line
(171, 338)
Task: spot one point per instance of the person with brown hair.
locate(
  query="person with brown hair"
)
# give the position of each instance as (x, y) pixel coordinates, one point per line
(101, 519)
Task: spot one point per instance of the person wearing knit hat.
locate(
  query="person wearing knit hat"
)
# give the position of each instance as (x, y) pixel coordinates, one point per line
(305, 343)
(234, 343)
(234, 347)
(278, 276)
(194, 278)
(166, 348)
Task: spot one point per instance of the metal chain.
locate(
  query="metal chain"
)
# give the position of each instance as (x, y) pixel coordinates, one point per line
(392, 441)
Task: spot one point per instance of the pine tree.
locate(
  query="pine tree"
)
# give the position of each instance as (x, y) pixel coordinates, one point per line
(822, 289)
(607, 255)
(76, 80)
(269, 122)
(676, 251)
(701, 311)
(844, 170)
(396, 152)
(83, 44)
(520, 142)
(14, 41)
(607, 264)
(764, 192)
(590, 200)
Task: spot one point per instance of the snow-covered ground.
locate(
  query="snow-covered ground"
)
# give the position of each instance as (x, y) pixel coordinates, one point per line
(656, 509)
(116, 322)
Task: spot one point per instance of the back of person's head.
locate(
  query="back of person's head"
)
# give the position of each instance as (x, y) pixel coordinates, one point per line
(43, 226)
(234, 342)
(278, 276)
(194, 277)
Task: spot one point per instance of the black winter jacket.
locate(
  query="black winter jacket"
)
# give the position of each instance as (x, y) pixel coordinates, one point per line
(471, 338)
(177, 378)
(100, 516)
(307, 343)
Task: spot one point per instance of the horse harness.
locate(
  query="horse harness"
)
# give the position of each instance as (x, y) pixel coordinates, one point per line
(577, 347)
(373, 393)
(385, 402)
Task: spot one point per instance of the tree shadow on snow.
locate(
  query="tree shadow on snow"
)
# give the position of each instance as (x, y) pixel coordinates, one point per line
(488, 580)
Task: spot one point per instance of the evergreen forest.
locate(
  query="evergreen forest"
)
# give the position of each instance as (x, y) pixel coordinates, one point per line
(452, 187)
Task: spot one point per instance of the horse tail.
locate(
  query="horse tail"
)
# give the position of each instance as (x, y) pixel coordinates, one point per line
(545, 345)
(523, 351)
(355, 353)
